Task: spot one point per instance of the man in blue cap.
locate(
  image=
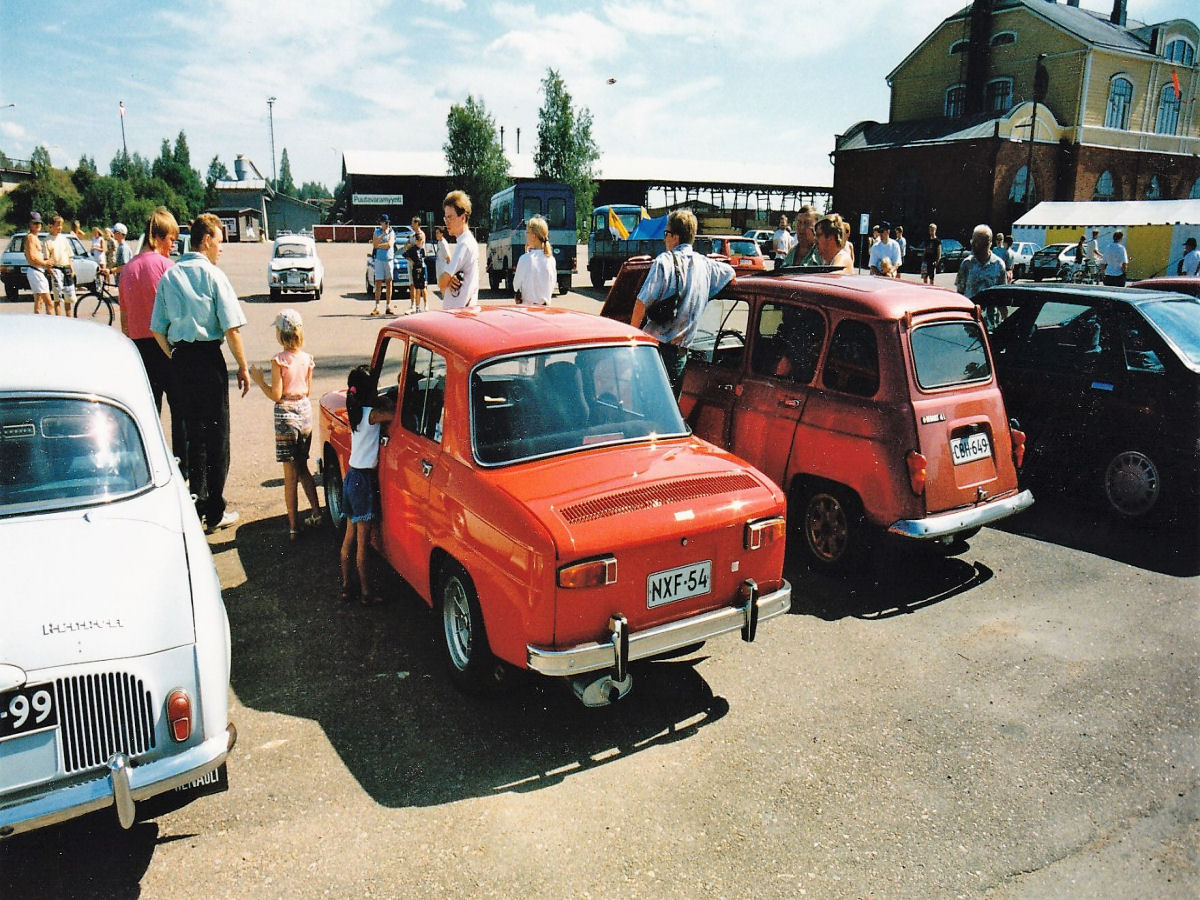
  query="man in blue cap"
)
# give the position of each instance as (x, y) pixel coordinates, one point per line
(384, 244)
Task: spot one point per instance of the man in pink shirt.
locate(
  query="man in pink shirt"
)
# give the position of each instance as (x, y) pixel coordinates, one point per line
(139, 282)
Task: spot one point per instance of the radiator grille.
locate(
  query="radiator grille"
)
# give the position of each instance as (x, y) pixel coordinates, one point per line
(101, 715)
(652, 495)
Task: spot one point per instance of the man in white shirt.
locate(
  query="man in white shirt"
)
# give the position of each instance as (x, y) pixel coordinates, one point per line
(1190, 264)
(460, 282)
(1094, 247)
(782, 240)
(1116, 261)
(885, 258)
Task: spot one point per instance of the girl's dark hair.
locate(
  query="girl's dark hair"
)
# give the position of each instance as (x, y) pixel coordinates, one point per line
(360, 392)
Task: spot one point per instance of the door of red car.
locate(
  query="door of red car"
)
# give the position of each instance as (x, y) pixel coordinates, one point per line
(407, 463)
(714, 369)
(784, 350)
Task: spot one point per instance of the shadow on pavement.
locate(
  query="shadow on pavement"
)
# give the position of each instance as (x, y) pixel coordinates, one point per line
(375, 680)
(87, 857)
(1062, 518)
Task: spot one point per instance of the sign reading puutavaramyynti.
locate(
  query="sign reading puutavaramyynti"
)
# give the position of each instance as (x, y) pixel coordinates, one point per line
(378, 199)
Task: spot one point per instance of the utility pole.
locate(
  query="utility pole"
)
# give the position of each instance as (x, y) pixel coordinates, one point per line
(518, 142)
(271, 116)
(1037, 81)
(124, 147)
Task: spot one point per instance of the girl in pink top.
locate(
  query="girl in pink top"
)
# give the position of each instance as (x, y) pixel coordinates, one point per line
(290, 385)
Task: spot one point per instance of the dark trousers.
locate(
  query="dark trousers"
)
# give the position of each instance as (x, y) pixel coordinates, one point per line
(1114, 280)
(674, 358)
(202, 392)
(158, 371)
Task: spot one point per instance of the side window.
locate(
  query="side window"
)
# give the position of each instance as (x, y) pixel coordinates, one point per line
(506, 214)
(853, 362)
(424, 393)
(556, 212)
(1138, 343)
(787, 342)
(532, 207)
(703, 246)
(387, 373)
(599, 224)
(721, 336)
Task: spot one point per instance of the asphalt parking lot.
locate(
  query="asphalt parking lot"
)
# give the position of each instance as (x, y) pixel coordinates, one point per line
(1018, 720)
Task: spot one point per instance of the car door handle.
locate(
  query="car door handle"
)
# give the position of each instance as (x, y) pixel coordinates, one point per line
(724, 387)
(383, 441)
(426, 467)
(790, 403)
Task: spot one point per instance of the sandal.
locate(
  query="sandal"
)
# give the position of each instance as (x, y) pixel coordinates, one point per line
(374, 312)
(314, 520)
(370, 600)
(347, 596)
(392, 312)
(294, 535)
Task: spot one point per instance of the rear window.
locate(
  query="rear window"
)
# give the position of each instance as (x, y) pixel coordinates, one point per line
(292, 251)
(949, 353)
(743, 248)
(1179, 320)
(556, 212)
(58, 452)
(539, 404)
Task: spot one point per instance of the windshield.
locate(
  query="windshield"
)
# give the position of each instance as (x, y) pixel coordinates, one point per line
(58, 452)
(1179, 320)
(743, 248)
(949, 353)
(292, 251)
(544, 403)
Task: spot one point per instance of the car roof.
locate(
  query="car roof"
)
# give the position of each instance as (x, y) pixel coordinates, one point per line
(477, 333)
(1133, 296)
(294, 239)
(867, 295)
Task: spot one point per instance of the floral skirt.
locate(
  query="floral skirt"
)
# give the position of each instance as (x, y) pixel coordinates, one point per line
(293, 430)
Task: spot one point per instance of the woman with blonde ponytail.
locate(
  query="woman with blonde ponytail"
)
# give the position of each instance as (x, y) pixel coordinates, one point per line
(535, 276)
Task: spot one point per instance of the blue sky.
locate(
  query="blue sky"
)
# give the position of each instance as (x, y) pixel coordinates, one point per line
(698, 82)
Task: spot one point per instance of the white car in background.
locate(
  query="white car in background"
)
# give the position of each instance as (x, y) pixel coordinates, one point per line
(114, 667)
(1022, 252)
(295, 267)
(12, 265)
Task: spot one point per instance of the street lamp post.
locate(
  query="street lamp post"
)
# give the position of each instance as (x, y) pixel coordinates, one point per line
(271, 116)
(1037, 80)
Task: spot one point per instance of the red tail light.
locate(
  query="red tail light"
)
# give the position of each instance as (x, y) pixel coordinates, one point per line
(1018, 447)
(179, 714)
(916, 471)
(590, 574)
(763, 532)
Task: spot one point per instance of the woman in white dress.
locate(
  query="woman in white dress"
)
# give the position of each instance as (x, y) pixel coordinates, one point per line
(535, 276)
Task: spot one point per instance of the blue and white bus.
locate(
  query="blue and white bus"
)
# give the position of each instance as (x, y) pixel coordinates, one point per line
(511, 210)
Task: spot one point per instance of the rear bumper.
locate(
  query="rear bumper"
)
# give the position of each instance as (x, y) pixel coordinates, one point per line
(613, 653)
(121, 785)
(952, 523)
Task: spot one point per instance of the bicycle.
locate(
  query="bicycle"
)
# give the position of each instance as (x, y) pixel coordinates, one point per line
(104, 298)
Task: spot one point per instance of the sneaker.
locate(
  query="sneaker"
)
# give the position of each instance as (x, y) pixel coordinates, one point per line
(228, 519)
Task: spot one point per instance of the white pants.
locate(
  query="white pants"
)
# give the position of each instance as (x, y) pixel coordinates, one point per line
(62, 291)
(37, 280)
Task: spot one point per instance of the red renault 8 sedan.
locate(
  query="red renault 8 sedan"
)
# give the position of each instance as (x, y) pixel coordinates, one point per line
(540, 489)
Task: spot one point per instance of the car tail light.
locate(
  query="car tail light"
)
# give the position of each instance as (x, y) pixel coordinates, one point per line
(763, 532)
(179, 714)
(589, 574)
(1018, 445)
(917, 465)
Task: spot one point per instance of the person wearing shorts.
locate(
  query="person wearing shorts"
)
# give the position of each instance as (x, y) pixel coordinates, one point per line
(62, 269)
(360, 494)
(383, 244)
(37, 266)
(414, 252)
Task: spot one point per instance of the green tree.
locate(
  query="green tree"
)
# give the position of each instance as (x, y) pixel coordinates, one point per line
(475, 161)
(104, 199)
(285, 184)
(216, 172)
(314, 190)
(39, 161)
(51, 194)
(566, 151)
(173, 168)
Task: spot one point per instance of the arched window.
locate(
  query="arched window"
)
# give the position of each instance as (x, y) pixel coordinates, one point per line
(1020, 183)
(1153, 189)
(1004, 37)
(959, 47)
(998, 96)
(1168, 110)
(1120, 99)
(956, 100)
(1104, 187)
(1180, 51)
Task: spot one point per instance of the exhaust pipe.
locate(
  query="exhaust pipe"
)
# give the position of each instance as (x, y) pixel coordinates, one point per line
(600, 690)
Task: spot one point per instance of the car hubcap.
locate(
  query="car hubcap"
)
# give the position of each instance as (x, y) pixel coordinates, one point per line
(826, 528)
(456, 617)
(1132, 483)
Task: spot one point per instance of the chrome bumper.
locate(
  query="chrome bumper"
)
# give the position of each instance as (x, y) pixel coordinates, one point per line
(960, 520)
(623, 646)
(120, 784)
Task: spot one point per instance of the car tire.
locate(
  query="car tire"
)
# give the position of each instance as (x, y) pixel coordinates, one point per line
(276, 295)
(493, 279)
(1018, 272)
(1037, 277)
(335, 511)
(469, 659)
(564, 284)
(831, 527)
(11, 291)
(368, 290)
(597, 278)
(1133, 485)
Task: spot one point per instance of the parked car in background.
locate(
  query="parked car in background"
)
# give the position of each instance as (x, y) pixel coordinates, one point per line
(295, 268)
(1106, 383)
(743, 253)
(114, 668)
(870, 401)
(953, 253)
(12, 264)
(1178, 284)
(1022, 255)
(1050, 261)
(401, 277)
(541, 492)
(762, 237)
